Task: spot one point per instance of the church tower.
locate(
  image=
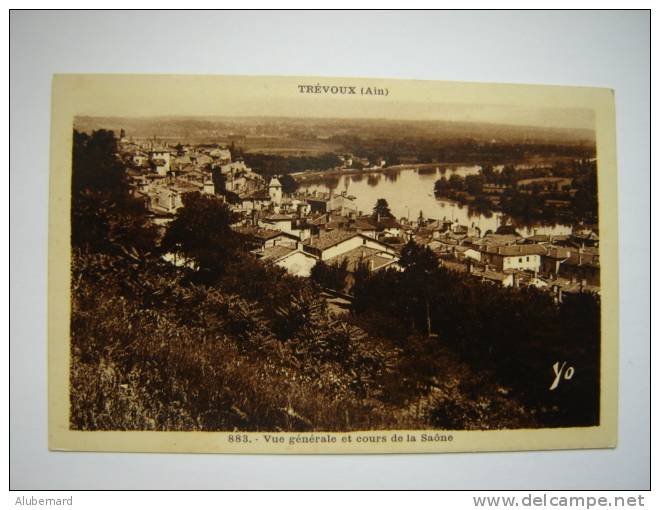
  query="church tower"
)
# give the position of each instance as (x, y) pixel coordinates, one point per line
(275, 191)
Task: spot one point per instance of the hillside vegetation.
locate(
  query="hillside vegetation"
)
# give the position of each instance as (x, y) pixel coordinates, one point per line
(237, 345)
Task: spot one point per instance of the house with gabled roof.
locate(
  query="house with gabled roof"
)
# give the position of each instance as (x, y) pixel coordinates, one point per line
(373, 259)
(277, 221)
(582, 264)
(517, 256)
(255, 200)
(329, 244)
(295, 260)
(259, 238)
(494, 277)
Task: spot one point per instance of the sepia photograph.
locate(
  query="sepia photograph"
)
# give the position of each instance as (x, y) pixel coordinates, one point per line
(329, 264)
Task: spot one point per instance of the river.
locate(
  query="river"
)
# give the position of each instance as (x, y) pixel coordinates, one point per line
(409, 191)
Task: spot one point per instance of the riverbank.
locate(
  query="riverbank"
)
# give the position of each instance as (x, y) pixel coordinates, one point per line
(314, 175)
(410, 192)
(311, 175)
(483, 205)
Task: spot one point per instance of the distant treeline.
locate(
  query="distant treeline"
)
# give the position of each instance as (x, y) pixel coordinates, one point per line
(413, 150)
(274, 164)
(425, 150)
(579, 200)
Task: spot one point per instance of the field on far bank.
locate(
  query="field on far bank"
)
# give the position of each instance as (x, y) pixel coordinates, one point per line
(288, 146)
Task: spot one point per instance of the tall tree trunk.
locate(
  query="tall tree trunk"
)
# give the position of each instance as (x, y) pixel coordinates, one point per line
(428, 318)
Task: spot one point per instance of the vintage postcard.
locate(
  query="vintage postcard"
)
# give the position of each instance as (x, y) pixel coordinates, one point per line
(331, 265)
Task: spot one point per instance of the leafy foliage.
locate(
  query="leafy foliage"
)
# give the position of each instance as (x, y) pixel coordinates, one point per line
(528, 203)
(289, 184)
(103, 215)
(382, 209)
(330, 276)
(201, 232)
(515, 334)
(273, 164)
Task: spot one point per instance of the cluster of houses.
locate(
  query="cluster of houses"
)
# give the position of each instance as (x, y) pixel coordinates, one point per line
(561, 264)
(329, 230)
(293, 231)
(351, 161)
(297, 241)
(161, 174)
(296, 230)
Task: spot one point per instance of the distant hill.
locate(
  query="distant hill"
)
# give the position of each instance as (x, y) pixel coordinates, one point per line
(221, 129)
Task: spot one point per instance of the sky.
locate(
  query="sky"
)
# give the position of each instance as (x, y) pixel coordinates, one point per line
(162, 95)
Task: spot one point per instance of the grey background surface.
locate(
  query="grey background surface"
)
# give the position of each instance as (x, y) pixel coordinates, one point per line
(609, 49)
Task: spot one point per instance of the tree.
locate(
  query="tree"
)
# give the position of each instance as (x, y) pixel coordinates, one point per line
(219, 181)
(456, 182)
(201, 232)
(289, 184)
(382, 209)
(474, 184)
(330, 276)
(418, 258)
(488, 172)
(95, 166)
(509, 174)
(441, 186)
(420, 265)
(104, 217)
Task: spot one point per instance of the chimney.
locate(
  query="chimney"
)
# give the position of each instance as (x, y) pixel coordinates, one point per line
(515, 279)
